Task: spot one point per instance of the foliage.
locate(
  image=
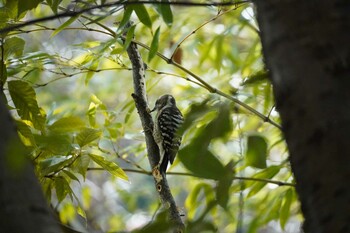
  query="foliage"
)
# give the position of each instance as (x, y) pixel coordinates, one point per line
(68, 84)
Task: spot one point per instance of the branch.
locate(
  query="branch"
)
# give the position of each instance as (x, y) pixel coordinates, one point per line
(140, 99)
(276, 182)
(68, 13)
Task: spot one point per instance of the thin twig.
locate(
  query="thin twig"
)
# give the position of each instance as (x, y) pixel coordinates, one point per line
(195, 30)
(111, 4)
(276, 182)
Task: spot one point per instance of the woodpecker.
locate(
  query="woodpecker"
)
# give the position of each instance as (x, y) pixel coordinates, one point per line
(167, 121)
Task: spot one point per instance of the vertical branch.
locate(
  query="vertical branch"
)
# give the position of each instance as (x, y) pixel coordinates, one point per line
(140, 99)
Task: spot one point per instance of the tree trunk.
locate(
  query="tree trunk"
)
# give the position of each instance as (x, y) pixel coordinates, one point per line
(23, 208)
(307, 49)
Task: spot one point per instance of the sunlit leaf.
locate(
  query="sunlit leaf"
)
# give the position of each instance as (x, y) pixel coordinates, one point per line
(285, 209)
(64, 25)
(25, 134)
(88, 135)
(81, 212)
(62, 188)
(67, 124)
(71, 175)
(109, 166)
(268, 173)
(86, 197)
(67, 213)
(154, 45)
(92, 70)
(24, 98)
(54, 164)
(54, 143)
(256, 151)
(13, 47)
(81, 164)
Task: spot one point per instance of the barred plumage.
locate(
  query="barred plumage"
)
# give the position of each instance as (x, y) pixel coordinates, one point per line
(167, 122)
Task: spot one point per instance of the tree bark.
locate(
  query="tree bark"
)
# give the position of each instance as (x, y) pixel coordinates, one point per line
(307, 49)
(23, 208)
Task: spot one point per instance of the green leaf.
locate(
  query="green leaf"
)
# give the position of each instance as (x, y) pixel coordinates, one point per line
(201, 162)
(92, 70)
(11, 9)
(54, 5)
(111, 167)
(88, 135)
(71, 175)
(126, 17)
(24, 98)
(62, 188)
(3, 75)
(165, 11)
(64, 25)
(154, 45)
(285, 209)
(256, 151)
(25, 134)
(54, 163)
(224, 184)
(196, 112)
(81, 164)
(54, 143)
(25, 5)
(196, 157)
(67, 124)
(13, 47)
(129, 36)
(142, 14)
(256, 186)
(256, 78)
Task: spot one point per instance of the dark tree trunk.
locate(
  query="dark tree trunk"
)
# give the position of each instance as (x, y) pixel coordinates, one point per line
(307, 49)
(23, 208)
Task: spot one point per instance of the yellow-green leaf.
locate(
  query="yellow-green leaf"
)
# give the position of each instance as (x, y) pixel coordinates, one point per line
(13, 47)
(24, 98)
(109, 166)
(285, 209)
(64, 25)
(88, 135)
(67, 124)
(62, 188)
